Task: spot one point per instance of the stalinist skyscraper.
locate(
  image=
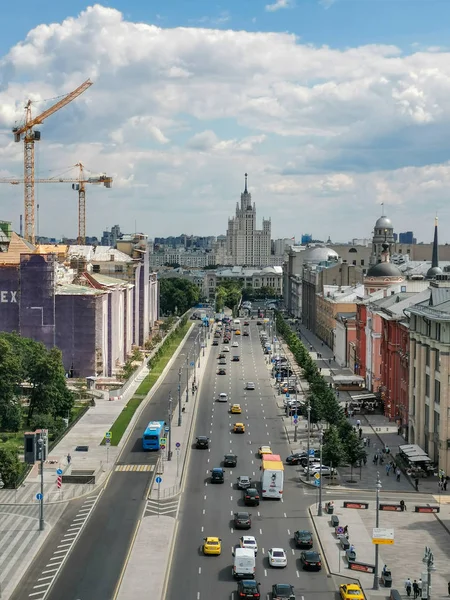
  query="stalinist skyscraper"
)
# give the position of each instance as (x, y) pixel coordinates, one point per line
(245, 244)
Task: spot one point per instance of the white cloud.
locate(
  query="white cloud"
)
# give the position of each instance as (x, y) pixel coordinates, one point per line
(278, 4)
(178, 115)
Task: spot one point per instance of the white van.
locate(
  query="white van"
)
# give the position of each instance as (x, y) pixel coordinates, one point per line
(244, 563)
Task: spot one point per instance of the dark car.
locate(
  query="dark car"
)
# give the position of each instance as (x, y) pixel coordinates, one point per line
(242, 520)
(221, 372)
(221, 355)
(246, 323)
(246, 334)
(226, 340)
(230, 460)
(296, 458)
(310, 560)
(251, 497)
(236, 359)
(217, 475)
(283, 591)
(248, 588)
(258, 322)
(202, 442)
(215, 343)
(222, 361)
(303, 539)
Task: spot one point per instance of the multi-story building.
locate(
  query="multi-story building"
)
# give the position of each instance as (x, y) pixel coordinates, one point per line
(269, 277)
(332, 300)
(407, 237)
(194, 259)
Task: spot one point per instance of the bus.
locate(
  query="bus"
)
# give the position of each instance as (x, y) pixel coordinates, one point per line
(151, 440)
(272, 476)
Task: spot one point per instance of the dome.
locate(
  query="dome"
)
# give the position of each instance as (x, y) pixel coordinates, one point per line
(383, 223)
(318, 254)
(433, 271)
(384, 269)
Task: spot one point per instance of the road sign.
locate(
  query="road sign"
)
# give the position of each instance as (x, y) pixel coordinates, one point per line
(162, 441)
(158, 480)
(381, 535)
(108, 435)
(287, 394)
(317, 476)
(108, 442)
(162, 446)
(177, 445)
(312, 452)
(167, 429)
(317, 481)
(39, 496)
(59, 481)
(192, 364)
(295, 421)
(59, 471)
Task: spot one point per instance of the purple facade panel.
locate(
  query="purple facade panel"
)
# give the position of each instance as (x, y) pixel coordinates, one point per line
(110, 333)
(144, 288)
(37, 297)
(9, 298)
(75, 333)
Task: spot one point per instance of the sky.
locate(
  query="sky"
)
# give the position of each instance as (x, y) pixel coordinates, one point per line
(337, 109)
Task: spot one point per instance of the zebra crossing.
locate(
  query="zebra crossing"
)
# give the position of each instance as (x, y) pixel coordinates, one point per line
(167, 507)
(55, 563)
(135, 468)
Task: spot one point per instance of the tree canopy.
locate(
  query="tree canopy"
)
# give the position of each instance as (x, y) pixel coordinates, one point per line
(177, 295)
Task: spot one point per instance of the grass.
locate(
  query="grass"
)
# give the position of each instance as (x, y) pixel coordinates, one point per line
(123, 420)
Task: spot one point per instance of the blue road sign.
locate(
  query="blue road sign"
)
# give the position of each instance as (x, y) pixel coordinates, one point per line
(177, 445)
(59, 471)
(287, 394)
(158, 479)
(295, 421)
(192, 364)
(317, 482)
(39, 496)
(167, 429)
(312, 452)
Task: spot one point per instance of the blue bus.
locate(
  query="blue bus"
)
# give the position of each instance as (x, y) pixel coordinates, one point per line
(151, 440)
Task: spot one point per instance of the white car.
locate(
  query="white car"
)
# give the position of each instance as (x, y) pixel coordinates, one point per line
(235, 345)
(222, 397)
(277, 557)
(313, 469)
(225, 349)
(244, 482)
(248, 541)
(250, 385)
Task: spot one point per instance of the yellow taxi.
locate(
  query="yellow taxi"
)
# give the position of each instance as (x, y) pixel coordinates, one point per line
(239, 428)
(264, 450)
(237, 332)
(212, 545)
(351, 591)
(236, 409)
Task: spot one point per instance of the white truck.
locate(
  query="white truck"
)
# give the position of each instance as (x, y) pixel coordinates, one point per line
(272, 476)
(244, 563)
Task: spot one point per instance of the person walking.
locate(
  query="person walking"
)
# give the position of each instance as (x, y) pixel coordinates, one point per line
(419, 583)
(358, 423)
(69, 458)
(408, 586)
(402, 505)
(388, 468)
(360, 432)
(445, 484)
(448, 588)
(398, 473)
(416, 588)
(416, 483)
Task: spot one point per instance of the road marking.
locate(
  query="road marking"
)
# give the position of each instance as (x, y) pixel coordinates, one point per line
(260, 532)
(204, 511)
(289, 532)
(285, 515)
(202, 528)
(199, 570)
(204, 497)
(44, 578)
(265, 572)
(298, 574)
(293, 551)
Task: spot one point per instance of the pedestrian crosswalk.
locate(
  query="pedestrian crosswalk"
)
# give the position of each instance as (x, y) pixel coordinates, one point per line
(139, 468)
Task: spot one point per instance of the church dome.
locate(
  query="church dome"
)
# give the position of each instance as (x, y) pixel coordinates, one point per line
(318, 254)
(384, 269)
(433, 271)
(383, 223)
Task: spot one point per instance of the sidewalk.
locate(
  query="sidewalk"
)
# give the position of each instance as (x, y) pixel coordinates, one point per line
(19, 516)
(151, 552)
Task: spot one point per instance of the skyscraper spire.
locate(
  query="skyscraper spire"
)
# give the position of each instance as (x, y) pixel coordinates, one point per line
(245, 190)
(435, 269)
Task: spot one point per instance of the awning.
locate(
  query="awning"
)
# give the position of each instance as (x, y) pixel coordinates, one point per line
(348, 379)
(363, 397)
(414, 453)
(423, 458)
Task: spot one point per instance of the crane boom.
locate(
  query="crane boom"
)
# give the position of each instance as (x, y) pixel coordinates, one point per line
(29, 138)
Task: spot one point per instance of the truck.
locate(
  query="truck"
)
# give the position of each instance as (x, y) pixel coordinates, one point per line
(272, 476)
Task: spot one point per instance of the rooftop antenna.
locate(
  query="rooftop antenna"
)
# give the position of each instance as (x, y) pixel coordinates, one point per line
(245, 191)
(382, 209)
(37, 221)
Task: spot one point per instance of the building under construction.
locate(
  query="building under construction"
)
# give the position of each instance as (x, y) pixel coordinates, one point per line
(93, 303)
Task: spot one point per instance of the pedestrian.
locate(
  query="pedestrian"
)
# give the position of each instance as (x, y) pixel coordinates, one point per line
(69, 458)
(416, 483)
(416, 588)
(365, 459)
(346, 530)
(364, 442)
(440, 485)
(334, 358)
(445, 484)
(388, 468)
(408, 586)
(388, 450)
(368, 442)
(402, 505)
(419, 583)
(448, 588)
(358, 423)
(398, 473)
(337, 393)
(360, 432)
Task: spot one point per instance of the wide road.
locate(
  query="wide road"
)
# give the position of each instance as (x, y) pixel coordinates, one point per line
(93, 568)
(207, 509)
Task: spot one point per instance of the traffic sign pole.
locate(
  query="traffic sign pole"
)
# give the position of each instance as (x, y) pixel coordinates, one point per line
(158, 481)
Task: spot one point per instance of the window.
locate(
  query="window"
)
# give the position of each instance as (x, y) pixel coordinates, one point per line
(436, 423)
(427, 355)
(354, 262)
(353, 250)
(437, 391)
(362, 262)
(118, 268)
(438, 331)
(427, 385)
(437, 360)
(96, 268)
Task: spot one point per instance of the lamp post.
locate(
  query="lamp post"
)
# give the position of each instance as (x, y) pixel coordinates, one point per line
(319, 510)
(427, 559)
(169, 452)
(199, 348)
(41, 444)
(187, 378)
(179, 397)
(377, 524)
(309, 436)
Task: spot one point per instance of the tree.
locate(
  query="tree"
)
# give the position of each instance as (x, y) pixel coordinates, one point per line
(353, 449)
(10, 378)
(10, 466)
(332, 449)
(177, 295)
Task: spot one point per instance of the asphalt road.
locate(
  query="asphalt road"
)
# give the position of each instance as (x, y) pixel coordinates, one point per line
(93, 568)
(207, 509)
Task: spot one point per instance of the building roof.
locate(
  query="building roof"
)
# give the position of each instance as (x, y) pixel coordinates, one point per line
(383, 223)
(384, 269)
(433, 271)
(16, 247)
(318, 254)
(109, 282)
(72, 289)
(99, 253)
(345, 316)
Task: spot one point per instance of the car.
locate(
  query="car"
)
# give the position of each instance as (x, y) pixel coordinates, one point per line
(248, 588)
(244, 482)
(246, 323)
(277, 557)
(236, 358)
(237, 332)
(230, 460)
(202, 442)
(235, 345)
(225, 349)
(250, 385)
(221, 355)
(264, 450)
(249, 541)
(310, 560)
(283, 591)
(351, 591)
(222, 362)
(316, 468)
(251, 497)
(235, 409)
(259, 322)
(217, 475)
(222, 397)
(212, 546)
(246, 334)
(303, 539)
(242, 520)
(221, 372)
(239, 428)
(296, 458)
(226, 341)
(215, 343)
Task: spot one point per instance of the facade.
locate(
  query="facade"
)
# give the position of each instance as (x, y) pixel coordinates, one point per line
(246, 245)
(255, 278)
(329, 303)
(344, 339)
(195, 259)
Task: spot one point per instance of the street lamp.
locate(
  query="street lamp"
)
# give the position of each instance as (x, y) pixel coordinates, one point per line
(41, 443)
(428, 559)
(187, 378)
(377, 524)
(309, 435)
(179, 397)
(319, 511)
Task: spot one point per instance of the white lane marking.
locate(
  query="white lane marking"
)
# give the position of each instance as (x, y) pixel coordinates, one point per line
(202, 528)
(204, 511)
(285, 515)
(44, 578)
(298, 574)
(204, 497)
(49, 571)
(199, 570)
(231, 498)
(293, 551)
(232, 530)
(265, 572)
(41, 585)
(259, 514)
(289, 532)
(260, 532)
(198, 595)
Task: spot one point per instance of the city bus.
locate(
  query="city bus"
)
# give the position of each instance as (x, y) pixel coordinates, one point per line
(151, 440)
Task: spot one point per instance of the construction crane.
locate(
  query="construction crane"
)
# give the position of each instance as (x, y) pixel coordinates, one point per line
(29, 137)
(78, 184)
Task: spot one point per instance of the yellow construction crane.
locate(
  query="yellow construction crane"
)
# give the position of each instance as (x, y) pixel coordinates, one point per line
(29, 137)
(78, 184)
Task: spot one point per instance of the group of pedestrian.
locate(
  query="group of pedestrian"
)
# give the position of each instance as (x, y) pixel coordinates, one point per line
(414, 586)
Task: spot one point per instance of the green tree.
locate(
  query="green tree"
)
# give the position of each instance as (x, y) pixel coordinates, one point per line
(353, 449)
(10, 378)
(332, 449)
(10, 466)
(177, 295)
